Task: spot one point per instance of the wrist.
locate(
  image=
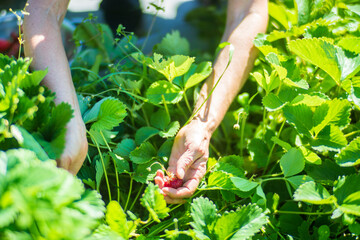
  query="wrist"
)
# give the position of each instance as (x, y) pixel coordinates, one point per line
(207, 124)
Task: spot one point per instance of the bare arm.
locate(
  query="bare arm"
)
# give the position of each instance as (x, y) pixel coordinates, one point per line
(43, 43)
(245, 19)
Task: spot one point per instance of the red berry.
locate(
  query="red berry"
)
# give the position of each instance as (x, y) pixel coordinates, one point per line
(173, 182)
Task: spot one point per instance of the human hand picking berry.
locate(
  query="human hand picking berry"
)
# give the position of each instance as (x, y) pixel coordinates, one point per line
(187, 165)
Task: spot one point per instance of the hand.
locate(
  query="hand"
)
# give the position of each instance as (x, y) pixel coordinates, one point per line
(76, 145)
(188, 159)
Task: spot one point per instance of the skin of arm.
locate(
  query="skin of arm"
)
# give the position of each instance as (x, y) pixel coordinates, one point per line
(245, 19)
(43, 43)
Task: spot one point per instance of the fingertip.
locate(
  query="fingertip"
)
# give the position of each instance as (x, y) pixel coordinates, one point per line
(180, 173)
(159, 181)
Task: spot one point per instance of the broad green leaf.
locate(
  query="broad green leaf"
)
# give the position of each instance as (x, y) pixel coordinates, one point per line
(199, 73)
(33, 79)
(143, 154)
(116, 219)
(165, 149)
(163, 90)
(354, 8)
(227, 167)
(286, 146)
(329, 139)
(240, 224)
(173, 44)
(347, 193)
(272, 102)
(171, 130)
(298, 180)
(320, 7)
(328, 171)
(280, 14)
(220, 180)
(142, 173)
(154, 202)
(354, 91)
(27, 141)
(301, 117)
(125, 147)
(122, 165)
(308, 100)
(258, 151)
(53, 132)
(292, 162)
(160, 119)
(310, 156)
(243, 184)
(314, 193)
(203, 212)
(172, 67)
(351, 44)
(99, 167)
(144, 133)
(274, 60)
(325, 55)
(350, 155)
(318, 52)
(104, 232)
(303, 11)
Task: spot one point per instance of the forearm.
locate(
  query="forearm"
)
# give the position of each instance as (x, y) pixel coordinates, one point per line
(240, 32)
(43, 43)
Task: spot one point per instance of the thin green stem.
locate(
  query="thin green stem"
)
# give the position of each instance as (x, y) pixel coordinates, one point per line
(215, 150)
(242, 135)
(145, 117)
(272, 148)
(165, 105)
(352, 133)
(115, 167)
(277, 232)
(273, 179)
(303, 213)
(182, 110)
(136, 198)
(187, 102)
(103, 165)
(264, 123)
(130, 190)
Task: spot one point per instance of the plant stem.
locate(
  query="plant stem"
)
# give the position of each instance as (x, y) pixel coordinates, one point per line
(187, 102)
(103, 165)
(137, 196)
(116, 172)
(351, 133)
(272, 148)
(182, 110)
(242, 133)
(165, 105)
(303, 213)
(130, 190)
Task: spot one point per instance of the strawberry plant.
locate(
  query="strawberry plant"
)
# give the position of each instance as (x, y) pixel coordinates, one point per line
(283, 164)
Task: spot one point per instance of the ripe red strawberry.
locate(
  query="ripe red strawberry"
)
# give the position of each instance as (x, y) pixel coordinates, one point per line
(173, 182)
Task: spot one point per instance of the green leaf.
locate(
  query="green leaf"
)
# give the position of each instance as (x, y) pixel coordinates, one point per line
(281, 143)
(292, 162)
(354, 8)
(27, 141)
(142, 173)
(144, 133)
(347, 193)
(330, 58)
(197, 74)
(154, 202)
(100, 170)
(116, 219)
(272, 102)
(303, 11)
(143, 154)
(122, 165)
(310, 156)
(173, 44)
(301, 117)
(350, 155)
(160, 119)
(329, 139)
(244, 184)
(280, 14)
(351, 44)
(203, 212)
(163, 90)
(266, 81)
(308, 100)
(240, 224)
(172, 67)
(125, 147)
(220, 180)
(298, 180)
(171, 130)
(258, 151)
(314, 193)
(53, 132)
